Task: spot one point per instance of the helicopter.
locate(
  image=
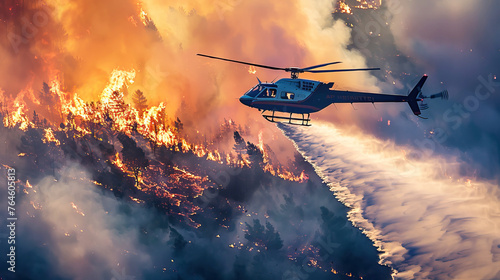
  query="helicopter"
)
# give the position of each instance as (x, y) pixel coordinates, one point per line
(292, 100)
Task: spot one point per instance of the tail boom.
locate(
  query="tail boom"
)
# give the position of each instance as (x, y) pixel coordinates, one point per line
(336, 96)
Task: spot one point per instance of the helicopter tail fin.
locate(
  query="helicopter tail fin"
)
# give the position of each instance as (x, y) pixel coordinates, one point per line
(414, 107)
(413, 96)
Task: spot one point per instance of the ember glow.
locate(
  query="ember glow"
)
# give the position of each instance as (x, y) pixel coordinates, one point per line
(76, 209)
(252, 70)
(49, 137)
(343, 7)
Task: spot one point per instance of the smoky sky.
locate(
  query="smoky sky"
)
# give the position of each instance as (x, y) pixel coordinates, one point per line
(456, 43)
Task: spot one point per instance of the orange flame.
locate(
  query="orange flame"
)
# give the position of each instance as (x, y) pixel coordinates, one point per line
(17, 118)
(49, 137)
(344, 8)
(252, 70)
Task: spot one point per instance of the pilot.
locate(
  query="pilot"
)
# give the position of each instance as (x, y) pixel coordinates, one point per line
(272, 92)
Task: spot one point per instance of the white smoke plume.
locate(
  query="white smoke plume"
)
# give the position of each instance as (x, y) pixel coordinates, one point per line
(429, 222)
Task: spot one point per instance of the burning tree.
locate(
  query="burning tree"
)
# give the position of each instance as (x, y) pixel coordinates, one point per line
(116, 105)
(140, 101)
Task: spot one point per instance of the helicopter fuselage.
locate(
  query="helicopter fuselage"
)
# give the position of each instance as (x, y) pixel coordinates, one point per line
(301, 96)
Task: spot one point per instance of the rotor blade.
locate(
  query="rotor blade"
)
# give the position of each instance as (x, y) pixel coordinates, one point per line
(242, 62)
(320, 65)
(341, 70)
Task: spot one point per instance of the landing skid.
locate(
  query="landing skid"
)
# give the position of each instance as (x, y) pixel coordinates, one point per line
(304, 120)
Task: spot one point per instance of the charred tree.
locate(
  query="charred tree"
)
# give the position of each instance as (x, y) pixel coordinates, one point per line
(265, 237)
(256, 156)
(133, 156)
(178, 125)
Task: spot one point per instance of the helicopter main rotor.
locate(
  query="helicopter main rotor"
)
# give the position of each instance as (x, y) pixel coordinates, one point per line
(294, 71)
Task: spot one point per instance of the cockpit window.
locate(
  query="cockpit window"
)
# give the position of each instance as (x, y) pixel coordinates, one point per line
(287, 95)
(255, 90)
(268, 93)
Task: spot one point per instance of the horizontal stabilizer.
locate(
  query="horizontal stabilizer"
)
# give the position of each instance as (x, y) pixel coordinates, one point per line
(414, 107)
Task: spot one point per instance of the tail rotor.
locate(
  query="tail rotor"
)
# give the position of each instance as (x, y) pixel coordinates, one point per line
(443, 95)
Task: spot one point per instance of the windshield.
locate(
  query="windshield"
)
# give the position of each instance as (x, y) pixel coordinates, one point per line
(254, 91)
